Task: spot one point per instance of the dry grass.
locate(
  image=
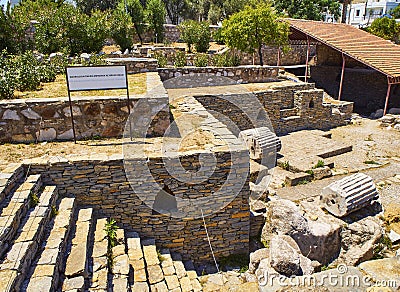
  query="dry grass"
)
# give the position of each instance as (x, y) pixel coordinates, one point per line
(58, 88)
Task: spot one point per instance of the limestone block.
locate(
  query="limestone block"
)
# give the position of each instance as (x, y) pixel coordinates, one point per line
(284, 258)
(349, 194)
(261, 142)
(46, 134)
(11, 115)
(30, 114)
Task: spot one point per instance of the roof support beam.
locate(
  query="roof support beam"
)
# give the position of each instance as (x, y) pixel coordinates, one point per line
(308, 56)
(387, 97)
(342, 76)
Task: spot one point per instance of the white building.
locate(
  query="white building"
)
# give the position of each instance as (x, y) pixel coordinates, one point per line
(362, 14)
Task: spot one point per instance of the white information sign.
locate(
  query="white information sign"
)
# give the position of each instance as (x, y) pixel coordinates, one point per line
(96, 78)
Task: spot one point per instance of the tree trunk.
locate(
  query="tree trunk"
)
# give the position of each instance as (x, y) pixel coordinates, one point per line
(137, 32)
(346, 3)
(260, 55)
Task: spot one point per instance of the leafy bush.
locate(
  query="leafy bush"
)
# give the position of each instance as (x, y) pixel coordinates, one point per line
(197, 34)
(201, 60)
(226, 60)
(180, 59)
(47, 72)
(137, 15)
(7, 78)
(121, 30)
(386, 28)
(61, 27)
(161, 59)
(26, 72)
(95, 60)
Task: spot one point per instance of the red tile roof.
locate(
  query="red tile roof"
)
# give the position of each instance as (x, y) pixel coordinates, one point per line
(373, 51)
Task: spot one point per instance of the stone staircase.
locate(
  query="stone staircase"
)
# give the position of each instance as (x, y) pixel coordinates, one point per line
(51, 244)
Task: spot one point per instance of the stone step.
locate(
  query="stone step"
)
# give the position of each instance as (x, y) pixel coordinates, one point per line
(76, 268)
(15, 209)
(120, 264)
(136, 261)
(45, 276)
(9, 180)
(181, 273)
(155, 274)
(99, 257)
(19, 258)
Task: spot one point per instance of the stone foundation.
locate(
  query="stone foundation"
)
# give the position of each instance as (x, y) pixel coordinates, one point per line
(135, 65)
(49, 119)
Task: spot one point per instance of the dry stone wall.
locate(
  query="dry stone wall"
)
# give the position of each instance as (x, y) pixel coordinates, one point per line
(50, 118)
(102, 184)
(290, 108)
(242, 74)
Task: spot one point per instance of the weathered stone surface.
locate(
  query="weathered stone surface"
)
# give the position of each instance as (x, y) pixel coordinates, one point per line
(284, 258)
(172, 282)
(186, 285)
(383, 270)
(73, 284)
(256, 257)
(49, 134)
(30, 114)
(159, 287)
(155, 274)
(120, 284)
(349, 194)
(11, 115)
(76, 262)
(40, 284)
(140, 287)
(322, 172)
(358, 241)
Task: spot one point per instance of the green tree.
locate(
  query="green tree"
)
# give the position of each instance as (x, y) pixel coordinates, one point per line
(307, 9)
(7, 34)
(175, 9)
(386, 28)
(122, 29)
(196, 33)
(156, 17)
(395, 12)
(136, 12)
(253, 27)
(87, 6)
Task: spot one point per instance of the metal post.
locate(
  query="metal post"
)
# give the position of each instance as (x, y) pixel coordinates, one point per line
(342, 76)
(70, 107)
(308, 56)
(129, 104)
(387, 97)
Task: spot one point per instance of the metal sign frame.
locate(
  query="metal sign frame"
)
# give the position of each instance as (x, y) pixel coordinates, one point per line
(111, 88)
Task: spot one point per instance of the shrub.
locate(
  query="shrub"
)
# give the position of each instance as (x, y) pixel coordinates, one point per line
(201, 60)
(121, 30)
(27, 73)
(180, 59)
(161, 59)
(197, 34)
(47, 71)
(7, 78)
(94, 60)
(226, 60)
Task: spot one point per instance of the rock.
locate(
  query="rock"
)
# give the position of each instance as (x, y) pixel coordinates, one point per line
(383, 270)
(75, 110)
(85, 56)
(293, 179)
(322, 172)
(317, 240)
(256, 257)
(49, 134)
(54, 55)
(67, 135)
(397, 127)
(126, 52)
(358, 241)
(378, 114)
(284, 258)
(30, 114)
(394, 111)
(394, 236)
(285, 217)
(349, 194)
(387, 120)
(11, 115)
